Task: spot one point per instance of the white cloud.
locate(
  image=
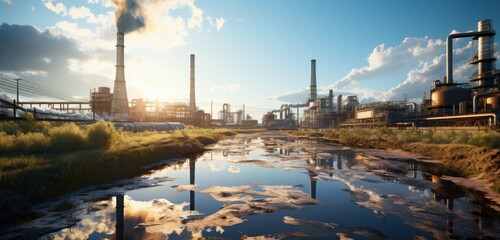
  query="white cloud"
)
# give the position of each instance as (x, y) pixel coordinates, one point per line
(82, 12)
(104, 3)
(8, 2)
(58, 7)
(423, 58)
(220, 22)
(33, 8)
(196, 16)
(383, 61)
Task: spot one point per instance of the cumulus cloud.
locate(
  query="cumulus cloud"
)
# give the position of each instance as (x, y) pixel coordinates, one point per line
(44, 58)
(26, 48)
(56, 7)
(220, 22)
(423, 59)
(383, 61)
(419, 79)
(82, 12)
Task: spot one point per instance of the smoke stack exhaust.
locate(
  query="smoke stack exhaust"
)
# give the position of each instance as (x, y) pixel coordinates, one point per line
(312, 88)
(119, 103)
(192, 96)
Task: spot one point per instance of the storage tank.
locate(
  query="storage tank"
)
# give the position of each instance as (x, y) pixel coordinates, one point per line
(494, 102)
(449, 96)
(351, 102)
(104, 90)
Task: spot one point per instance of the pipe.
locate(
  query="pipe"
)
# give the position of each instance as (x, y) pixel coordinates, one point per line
(475, 101)
(480, 115)
(449, 50)
(414, 106)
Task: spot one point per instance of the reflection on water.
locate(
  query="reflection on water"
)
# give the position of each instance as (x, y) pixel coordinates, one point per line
(276, 187)
(119, 216)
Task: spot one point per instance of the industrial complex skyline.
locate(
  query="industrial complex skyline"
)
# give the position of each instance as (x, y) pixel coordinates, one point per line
(255, 53)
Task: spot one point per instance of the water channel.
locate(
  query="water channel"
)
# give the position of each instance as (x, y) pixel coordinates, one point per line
(279, 187)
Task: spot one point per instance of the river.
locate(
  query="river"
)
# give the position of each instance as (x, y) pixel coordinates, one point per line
(274, 186)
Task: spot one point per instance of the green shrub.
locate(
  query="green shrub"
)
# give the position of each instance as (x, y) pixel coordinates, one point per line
(68, 137)
(101, 135)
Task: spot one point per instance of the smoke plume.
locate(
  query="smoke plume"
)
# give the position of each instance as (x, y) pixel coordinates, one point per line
(129, 15)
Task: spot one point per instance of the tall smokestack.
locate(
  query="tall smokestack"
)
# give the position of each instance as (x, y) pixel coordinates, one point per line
(192, 96)
(330, 99)
(339, 104)
(119, 103)
(312, 88)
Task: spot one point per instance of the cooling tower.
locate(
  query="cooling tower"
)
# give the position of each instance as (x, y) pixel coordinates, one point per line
(312, 88)
(192, 95)
(119, 103)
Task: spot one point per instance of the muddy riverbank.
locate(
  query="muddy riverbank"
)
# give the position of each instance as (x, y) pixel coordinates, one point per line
(481, 165)
(30, 178)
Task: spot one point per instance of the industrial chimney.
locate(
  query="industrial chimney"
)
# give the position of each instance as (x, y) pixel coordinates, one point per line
(119, 103)
(330, 100)
(192, 96)
(339, 104)
(312, 88)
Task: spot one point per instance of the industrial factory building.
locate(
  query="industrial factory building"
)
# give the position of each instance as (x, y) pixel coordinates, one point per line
(474, 103)
(116, 107)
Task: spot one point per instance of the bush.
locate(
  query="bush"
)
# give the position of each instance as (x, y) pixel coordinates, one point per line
(101, 135)
(68, 137)
(31, 143)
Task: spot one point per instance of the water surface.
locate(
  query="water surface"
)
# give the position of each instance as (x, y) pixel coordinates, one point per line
(278, 187)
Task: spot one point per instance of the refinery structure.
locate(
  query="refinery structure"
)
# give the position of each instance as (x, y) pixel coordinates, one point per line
(473, 103)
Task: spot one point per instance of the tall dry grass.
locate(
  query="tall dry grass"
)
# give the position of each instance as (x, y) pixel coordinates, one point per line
(488, 139)
(43, 160)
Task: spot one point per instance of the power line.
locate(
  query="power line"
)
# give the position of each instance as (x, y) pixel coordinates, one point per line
(31, 89)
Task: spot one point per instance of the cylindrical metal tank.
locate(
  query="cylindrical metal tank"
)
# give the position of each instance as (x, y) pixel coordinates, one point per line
(351, 103)
(104, 90)
(494, 102)
(449, 96)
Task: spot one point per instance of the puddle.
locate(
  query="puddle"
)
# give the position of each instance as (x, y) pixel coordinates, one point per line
(276, 187)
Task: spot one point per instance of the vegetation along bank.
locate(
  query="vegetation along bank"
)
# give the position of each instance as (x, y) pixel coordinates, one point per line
(469, 153)
(41, 160)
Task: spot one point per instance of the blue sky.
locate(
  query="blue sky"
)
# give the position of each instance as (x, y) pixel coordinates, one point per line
(255, 53)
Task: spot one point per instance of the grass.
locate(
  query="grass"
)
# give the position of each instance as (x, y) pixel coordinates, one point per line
(43, 160)
(353, 137)
(488, 139)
